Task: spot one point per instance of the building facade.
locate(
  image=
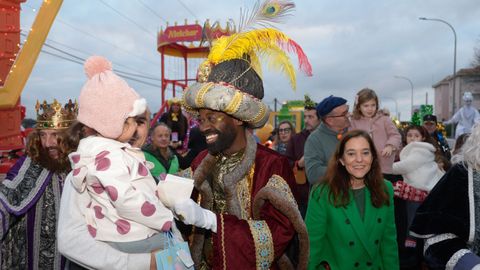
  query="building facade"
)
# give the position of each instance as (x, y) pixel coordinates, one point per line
(466, 80)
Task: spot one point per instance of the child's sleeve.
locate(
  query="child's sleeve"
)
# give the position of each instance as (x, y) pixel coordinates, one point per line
(75, 242)
(404, 191)
(405, 165)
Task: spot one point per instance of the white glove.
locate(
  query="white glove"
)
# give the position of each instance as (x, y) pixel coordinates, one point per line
(190, 213)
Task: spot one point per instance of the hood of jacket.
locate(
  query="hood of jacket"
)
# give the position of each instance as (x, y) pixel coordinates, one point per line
(421, 150)
(92, 150)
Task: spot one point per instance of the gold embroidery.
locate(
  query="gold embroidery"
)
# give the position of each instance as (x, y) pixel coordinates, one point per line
(250, 178)
(262, 237)
(234, 104)
(224, 166)
(199, 100)
(222, 226)
(186, 106)
(260, 115)
(244, 194)
(279, 184)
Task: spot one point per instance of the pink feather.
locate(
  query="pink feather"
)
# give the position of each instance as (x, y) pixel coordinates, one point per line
(303, 62)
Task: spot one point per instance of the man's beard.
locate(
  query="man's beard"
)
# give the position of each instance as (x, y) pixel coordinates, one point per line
(224, 140)
(61, 164)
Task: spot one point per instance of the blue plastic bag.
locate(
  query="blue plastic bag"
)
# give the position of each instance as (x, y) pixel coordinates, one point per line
(176, 255)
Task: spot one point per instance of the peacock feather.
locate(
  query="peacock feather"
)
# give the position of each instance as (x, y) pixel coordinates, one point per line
(265, 14)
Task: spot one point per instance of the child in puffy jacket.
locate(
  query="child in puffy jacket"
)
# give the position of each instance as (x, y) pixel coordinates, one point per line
(417, 160)
(419, 169)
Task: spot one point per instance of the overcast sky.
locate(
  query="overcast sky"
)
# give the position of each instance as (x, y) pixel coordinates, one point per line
(351, 45)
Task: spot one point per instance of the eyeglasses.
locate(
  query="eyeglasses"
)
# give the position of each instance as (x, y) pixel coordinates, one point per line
(284, 130)
(345, 114)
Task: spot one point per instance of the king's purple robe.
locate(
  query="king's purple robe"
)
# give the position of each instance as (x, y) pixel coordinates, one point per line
(30, 200)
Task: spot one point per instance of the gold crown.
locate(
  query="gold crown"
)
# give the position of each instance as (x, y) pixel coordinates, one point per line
(54, 116)
(174, 101)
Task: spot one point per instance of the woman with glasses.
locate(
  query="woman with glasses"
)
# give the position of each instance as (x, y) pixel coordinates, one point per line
(350, 215)
(285, 131)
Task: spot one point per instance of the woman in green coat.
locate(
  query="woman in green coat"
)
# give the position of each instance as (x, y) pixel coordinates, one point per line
(350, 216)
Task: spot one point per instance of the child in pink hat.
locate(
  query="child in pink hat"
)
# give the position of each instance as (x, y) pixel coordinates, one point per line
(124, 209)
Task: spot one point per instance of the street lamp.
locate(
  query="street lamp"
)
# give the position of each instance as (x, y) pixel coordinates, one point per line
(454, 56)
(396, 106)
(411, 86)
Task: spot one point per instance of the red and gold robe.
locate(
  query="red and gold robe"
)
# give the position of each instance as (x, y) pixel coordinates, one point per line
(261, 214)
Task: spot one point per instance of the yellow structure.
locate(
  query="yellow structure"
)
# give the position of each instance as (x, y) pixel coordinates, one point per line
(17, 78)
(291, 111)
(297, 122)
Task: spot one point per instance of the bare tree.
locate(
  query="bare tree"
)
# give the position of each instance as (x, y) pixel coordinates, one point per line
(476, 55)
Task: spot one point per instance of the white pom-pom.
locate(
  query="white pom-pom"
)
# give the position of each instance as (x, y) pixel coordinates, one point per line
(95, 65)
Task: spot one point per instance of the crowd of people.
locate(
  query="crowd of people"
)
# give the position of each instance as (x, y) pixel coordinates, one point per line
(349, 191)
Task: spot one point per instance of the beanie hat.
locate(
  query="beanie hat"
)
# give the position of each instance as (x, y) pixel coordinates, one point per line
(106, 100)
(328, 104)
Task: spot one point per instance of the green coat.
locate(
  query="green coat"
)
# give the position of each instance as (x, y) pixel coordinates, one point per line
(158, 167)
(340, 237)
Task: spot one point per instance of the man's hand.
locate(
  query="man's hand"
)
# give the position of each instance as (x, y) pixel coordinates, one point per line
(301, 163)
(190, 213)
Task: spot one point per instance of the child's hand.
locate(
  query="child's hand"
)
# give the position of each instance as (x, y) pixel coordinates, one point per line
(387, 151)
(176, 144)
(153, 261)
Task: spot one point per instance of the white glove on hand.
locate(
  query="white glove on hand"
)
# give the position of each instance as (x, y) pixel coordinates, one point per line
(190, 213)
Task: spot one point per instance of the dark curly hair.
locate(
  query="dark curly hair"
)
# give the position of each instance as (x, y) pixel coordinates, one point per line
(40, 155)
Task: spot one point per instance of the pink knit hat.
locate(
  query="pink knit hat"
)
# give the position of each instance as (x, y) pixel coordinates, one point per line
(106, 100)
